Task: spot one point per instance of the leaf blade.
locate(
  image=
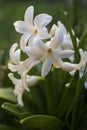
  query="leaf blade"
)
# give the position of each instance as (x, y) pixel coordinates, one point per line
(42, 121)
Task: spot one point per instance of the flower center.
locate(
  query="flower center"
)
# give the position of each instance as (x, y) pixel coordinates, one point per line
(49, 50)
(35, 31)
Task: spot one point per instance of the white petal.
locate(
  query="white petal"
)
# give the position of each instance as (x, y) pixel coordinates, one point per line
(30, 63)
(24, 83)
(83, 60)
(19, 100)
(37, 49)
(23, 41)
(42, 20)
(20, 68)
(62, 27)
(20, 27)
(39, 44)
(14, 80)
(29, 15)
(32, 80)
(69, 66)
(64, 53)
(18, 90)
(73, 67)
(53, 29)
(34, 52)
(13, 68)
(46, 67)
(57, 62)
(67, 43)
(15, 54)
(57, 39)
(43, 33)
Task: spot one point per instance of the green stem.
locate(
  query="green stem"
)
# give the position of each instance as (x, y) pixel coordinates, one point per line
(76, 99)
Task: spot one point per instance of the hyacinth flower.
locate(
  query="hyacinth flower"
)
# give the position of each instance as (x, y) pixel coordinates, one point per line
(19, 86)
(71, 67)
(67, 41)
(33, 27)
(50, 52)
(22, 67)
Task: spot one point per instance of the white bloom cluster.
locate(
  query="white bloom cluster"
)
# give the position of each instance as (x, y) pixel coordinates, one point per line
(39, 45)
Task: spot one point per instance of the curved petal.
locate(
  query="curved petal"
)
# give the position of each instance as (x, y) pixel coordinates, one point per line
(29, 63)
(19, 99)
(18, 90)
(34, 52)
(20, 27)
(42, 20)
(23, 41)
(57, 39)
(14, 80)
(53, 29)
(39, 44)
(46, 67)
(15, 54)
(32, 80)
(69, 66)
(57, 62)
(13, 68)
(67, 42)
(23, 77)
(62, 27)
(28, 17)
(64, 53)
(37, 49)
(83, 60)
(43, 33)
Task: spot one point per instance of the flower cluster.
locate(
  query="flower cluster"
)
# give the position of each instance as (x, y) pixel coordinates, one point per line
(54, 49)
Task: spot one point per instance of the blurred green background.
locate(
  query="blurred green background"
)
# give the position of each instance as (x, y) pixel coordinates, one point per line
(13, 10)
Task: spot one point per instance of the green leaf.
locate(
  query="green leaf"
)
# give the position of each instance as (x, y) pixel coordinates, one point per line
(15, 110)
(7, 94)
(83, 40)
(67, 94)
(52, 89)
(5, 127)
(42, 121)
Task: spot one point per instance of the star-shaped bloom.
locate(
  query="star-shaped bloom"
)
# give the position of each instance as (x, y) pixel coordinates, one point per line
(19, 88)
(32, 26)
(50, 52)
(67, 41)
(71, 67)
(22, 67)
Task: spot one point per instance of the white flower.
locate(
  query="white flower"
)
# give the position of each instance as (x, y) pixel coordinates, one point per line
(22, 67)
(71, 67)
(19, 88)
(67, 42)
(32, 27)
(50, 52)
